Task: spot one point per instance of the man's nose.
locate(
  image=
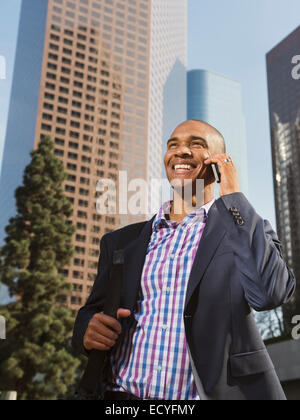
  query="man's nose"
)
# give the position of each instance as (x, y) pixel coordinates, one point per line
(184, 150)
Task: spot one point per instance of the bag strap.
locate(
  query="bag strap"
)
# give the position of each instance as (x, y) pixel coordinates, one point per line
(90, 387)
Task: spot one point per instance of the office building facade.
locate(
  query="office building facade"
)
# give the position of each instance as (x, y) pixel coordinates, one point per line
(284, 109)
(83, 75)
(217, 100)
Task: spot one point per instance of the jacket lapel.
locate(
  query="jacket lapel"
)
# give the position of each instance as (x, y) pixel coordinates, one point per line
(135, 255)
(134, 259)
(214, 232)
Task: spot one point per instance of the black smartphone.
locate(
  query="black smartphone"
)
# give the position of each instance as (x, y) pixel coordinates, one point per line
(216, 172)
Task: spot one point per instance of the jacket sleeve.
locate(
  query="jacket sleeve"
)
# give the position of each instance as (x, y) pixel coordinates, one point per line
(266, 279)
(95, 302)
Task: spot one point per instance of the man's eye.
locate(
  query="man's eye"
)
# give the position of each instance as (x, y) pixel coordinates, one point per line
(197, 143)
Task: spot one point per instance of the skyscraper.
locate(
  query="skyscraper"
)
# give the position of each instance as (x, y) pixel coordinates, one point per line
(217, 100)
(284, 108)
(90, 73)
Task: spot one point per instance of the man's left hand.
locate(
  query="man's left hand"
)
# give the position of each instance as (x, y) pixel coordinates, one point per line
(229, 175)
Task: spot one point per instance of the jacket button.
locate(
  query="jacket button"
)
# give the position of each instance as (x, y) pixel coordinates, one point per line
(240, 221)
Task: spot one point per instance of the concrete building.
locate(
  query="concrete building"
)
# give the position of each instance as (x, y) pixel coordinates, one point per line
(217, 100)
(98, 77)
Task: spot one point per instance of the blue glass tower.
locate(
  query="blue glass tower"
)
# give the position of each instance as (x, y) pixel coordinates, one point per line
(22, 114)
(217, 100)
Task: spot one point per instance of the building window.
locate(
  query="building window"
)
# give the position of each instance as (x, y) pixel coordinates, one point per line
(63, 100)
(62, 110)
(76, 114)
(71, 167)
(67, 51)
(64, 90)
(59, 152)
(72, 156)
(55, 28)
(73, 145)
(70, 189)
(78, 74)
(71, 178)
(76, 104)
(74, 134)
(59, 142)
(65, 80)
(82, 214)
(53, 56)
(46, 127)
(83, 203)
(80, 238)
(83, 191)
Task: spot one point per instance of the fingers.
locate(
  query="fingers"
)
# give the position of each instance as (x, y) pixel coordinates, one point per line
(219, 159)
(103, 331)
(96, 343)
(229, 174)
(100, 328)
(108, 321)
(123, 313)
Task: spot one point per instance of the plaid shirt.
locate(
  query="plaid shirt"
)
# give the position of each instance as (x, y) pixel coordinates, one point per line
(152, 361)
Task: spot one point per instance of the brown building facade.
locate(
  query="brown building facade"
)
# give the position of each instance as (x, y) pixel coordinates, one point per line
(95, 65)
(83, 75)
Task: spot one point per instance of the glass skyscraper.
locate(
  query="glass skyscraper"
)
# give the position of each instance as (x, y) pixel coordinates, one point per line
(284, 108)
(217, 100)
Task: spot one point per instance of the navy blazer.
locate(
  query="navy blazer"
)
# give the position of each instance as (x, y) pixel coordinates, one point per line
(238, 266)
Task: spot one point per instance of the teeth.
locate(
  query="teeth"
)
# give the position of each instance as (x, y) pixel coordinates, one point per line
(182, 167)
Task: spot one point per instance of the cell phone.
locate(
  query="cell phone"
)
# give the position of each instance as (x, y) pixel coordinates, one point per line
(216, 172)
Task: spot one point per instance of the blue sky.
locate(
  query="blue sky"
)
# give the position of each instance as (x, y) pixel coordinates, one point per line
(230, 37)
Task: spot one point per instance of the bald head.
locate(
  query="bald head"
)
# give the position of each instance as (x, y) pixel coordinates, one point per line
(214, 138)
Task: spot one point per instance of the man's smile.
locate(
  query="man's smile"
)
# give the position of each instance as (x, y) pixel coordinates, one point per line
(183, 167)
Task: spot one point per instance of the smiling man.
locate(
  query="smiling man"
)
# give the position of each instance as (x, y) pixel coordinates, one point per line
(185, 328)
(193, 146)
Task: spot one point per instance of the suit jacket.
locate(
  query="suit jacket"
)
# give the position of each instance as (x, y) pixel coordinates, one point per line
(238, 266)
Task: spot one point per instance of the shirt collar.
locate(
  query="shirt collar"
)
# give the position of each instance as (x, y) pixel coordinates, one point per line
(198, 215)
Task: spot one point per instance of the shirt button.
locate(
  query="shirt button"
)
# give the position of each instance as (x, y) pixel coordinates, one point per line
(168, 290)
(164, 327)
(172, 255)
(159, 368)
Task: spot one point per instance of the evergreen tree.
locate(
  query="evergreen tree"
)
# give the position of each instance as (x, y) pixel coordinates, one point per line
(36, 359)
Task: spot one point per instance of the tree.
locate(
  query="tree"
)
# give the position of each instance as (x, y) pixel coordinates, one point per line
(36, 359)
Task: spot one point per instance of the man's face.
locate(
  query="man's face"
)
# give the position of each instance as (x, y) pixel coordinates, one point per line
(190, 145)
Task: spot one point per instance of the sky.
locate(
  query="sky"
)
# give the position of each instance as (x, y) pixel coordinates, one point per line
(230, 37)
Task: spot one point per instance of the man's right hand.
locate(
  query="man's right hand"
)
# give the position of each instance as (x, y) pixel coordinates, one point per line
(103, 331)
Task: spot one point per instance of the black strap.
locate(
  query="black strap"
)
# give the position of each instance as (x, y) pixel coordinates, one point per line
(90, 387)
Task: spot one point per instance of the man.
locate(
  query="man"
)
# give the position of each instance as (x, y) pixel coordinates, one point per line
(185, 328)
